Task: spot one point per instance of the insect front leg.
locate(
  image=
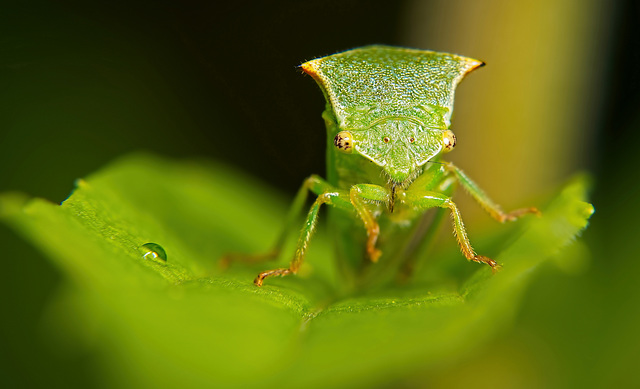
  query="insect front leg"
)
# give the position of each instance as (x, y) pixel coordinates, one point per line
(425, 234)
(327, 194)
(425, 199)
(485, 202)
(313, 184)
(368, 192)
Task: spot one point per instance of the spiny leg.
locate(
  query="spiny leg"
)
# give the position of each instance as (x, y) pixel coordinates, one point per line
(303, 241)
(314, 184)
(463, 239)
(485, 202)
(357, 195)
(426, 199)
(426, 231)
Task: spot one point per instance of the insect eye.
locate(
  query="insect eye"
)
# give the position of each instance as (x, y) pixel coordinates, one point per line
(412, 139)
(343, 141)
(449, 141)
(386, 139)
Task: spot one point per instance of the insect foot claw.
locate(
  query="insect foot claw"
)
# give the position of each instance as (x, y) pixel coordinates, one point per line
(495, 267)
(276, 272)
(374, 255)
(258, 280)
(511, 216)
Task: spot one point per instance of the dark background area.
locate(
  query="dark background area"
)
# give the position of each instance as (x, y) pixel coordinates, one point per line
(85, 82)
(82, 83)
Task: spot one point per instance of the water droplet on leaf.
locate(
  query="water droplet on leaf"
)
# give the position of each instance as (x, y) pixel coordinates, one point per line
(154, 251)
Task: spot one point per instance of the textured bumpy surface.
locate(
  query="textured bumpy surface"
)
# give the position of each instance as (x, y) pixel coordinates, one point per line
(366, 84)
(394, 102)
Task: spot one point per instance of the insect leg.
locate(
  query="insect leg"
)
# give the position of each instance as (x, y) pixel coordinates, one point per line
(427, 199)
(314, 184)
(425, 232)
(303, 240)
(485, 202)
(358, 195)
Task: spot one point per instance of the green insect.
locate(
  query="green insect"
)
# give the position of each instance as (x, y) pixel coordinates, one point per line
(387, 116)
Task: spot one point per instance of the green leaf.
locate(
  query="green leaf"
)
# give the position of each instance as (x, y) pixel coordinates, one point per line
(186, 322)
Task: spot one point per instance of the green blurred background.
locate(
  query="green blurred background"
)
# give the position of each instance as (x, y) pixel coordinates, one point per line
(84, 82)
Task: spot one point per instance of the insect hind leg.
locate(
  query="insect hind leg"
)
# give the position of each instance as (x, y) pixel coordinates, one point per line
(493, 209)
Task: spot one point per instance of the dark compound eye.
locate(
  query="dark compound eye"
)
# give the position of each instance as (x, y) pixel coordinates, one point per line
(343, 141)
(386, 139)
(412, 139)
